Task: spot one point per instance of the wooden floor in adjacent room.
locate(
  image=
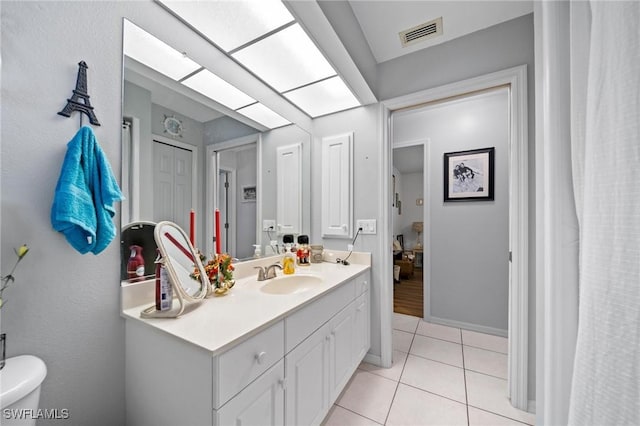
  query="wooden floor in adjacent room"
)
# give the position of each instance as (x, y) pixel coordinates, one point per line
(408, 295)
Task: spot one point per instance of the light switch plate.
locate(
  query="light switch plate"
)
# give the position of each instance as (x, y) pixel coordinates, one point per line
(368, 226)
(268, 225)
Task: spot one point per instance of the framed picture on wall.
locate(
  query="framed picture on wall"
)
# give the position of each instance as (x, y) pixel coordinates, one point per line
(249, 194)
(469, 175)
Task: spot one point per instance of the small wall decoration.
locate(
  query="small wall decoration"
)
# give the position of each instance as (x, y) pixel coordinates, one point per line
(469, 175)
(249, 194)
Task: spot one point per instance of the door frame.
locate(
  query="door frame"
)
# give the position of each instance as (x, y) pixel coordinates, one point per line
(211, 184)
(516, 79)
(231, 209)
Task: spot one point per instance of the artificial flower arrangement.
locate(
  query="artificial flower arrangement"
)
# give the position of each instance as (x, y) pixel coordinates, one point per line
(9, 278)
(219, 270)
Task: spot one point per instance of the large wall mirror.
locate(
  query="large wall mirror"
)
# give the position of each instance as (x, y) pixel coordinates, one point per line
(182, 151)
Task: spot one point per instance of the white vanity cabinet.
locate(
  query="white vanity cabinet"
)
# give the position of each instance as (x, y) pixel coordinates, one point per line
(289, 373)
(318, 369)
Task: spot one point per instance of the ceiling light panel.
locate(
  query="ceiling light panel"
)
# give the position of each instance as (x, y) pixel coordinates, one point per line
(323, 97)
(231, 24)
(286, 60)
(148, 50)
(215, 88)
(263, 115)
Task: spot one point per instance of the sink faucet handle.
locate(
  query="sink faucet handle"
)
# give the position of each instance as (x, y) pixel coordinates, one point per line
(261, 276)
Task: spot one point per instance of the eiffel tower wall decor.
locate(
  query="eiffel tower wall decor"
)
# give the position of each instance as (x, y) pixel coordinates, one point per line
(80, 93)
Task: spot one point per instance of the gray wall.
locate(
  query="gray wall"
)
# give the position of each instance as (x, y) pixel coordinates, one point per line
(224, 129)
(467, 241)
(411, 188)
(64, 307)
(137, 103)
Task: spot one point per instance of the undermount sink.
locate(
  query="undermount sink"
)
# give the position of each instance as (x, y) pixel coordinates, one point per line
(289, 284)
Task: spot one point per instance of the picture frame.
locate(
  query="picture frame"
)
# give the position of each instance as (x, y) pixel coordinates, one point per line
(469, 175)
(249, 194)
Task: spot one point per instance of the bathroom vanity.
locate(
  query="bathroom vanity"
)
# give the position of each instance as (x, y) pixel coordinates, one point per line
(274, 352)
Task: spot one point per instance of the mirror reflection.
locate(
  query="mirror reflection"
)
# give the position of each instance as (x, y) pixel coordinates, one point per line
(183, 158)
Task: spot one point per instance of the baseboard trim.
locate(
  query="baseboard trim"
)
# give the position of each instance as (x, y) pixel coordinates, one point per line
(468, 326)
(373, 359)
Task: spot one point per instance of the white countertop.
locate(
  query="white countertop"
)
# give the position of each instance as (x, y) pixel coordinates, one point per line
(220, 322)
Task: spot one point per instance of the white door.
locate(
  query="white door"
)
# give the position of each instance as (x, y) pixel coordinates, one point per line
(341, 350)
(224, 183)
(260, 403)
(172, 184)
(307, 381)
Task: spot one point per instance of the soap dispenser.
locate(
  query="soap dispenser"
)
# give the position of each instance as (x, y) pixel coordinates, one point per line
(257, 251)
(289, 261)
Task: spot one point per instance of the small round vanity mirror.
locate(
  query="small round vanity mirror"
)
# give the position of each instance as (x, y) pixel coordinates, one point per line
(179, 258)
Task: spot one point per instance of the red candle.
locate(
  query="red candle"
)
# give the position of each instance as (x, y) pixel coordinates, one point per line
(218, 236)
(192, 228)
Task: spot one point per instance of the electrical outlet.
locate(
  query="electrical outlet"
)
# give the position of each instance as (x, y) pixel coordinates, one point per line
(268, 225)
(368, 226)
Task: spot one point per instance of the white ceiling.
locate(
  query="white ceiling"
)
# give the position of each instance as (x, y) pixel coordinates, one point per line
(381, 21)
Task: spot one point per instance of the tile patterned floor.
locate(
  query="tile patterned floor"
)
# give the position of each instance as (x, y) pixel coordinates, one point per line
(440, 376)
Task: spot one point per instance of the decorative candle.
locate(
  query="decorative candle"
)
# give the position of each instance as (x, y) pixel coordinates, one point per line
(192, 228)
(218, 236)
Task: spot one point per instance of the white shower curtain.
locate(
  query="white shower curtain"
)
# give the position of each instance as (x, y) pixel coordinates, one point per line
(605, 74)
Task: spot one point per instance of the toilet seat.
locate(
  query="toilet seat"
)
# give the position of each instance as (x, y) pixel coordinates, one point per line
(20, 376)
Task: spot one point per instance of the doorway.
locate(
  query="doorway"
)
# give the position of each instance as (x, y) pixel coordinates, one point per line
(518, 299)
(407, 222)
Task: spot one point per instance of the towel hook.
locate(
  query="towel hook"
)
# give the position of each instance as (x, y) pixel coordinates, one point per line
(80, 93)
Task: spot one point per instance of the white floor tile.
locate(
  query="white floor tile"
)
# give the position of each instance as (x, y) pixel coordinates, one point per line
(490, 394)
(402, 340)
(368, 395)
(413, 407)
(485, 341)
(438, 331)
(405, 322)
(483, 361)
(338, 416)
(437, 350)
(435, 377)
(392, 373)
(479, 417)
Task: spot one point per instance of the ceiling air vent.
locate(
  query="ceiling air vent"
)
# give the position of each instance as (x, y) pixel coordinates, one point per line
(421, 32)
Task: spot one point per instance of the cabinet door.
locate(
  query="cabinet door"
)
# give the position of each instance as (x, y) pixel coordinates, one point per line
(289, 189)
(337, 186)
(362, 327)
(341, 339)
(260, 403)
(307, 380)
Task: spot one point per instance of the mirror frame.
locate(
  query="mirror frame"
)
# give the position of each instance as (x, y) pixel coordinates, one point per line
(178, 290)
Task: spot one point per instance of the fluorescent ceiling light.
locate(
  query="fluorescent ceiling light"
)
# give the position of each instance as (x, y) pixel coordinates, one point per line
(323, 97)
(148, 50)
(215, 88)
(263, 115)
(231, 24)
(286, 60)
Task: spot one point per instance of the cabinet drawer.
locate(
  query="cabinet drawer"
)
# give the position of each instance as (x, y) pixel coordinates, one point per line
(242, 364)
(302, 323)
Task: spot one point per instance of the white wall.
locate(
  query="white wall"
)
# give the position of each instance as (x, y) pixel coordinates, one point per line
(363, 122)
(467, 241)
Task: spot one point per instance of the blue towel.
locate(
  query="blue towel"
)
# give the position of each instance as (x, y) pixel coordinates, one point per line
(83, 203)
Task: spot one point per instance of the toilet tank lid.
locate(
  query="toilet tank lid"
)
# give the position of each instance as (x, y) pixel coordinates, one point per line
(20, 376)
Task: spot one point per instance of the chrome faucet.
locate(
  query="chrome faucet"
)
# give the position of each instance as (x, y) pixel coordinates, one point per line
(268, 272)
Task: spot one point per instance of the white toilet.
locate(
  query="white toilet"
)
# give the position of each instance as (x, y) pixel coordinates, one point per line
(20, 381)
